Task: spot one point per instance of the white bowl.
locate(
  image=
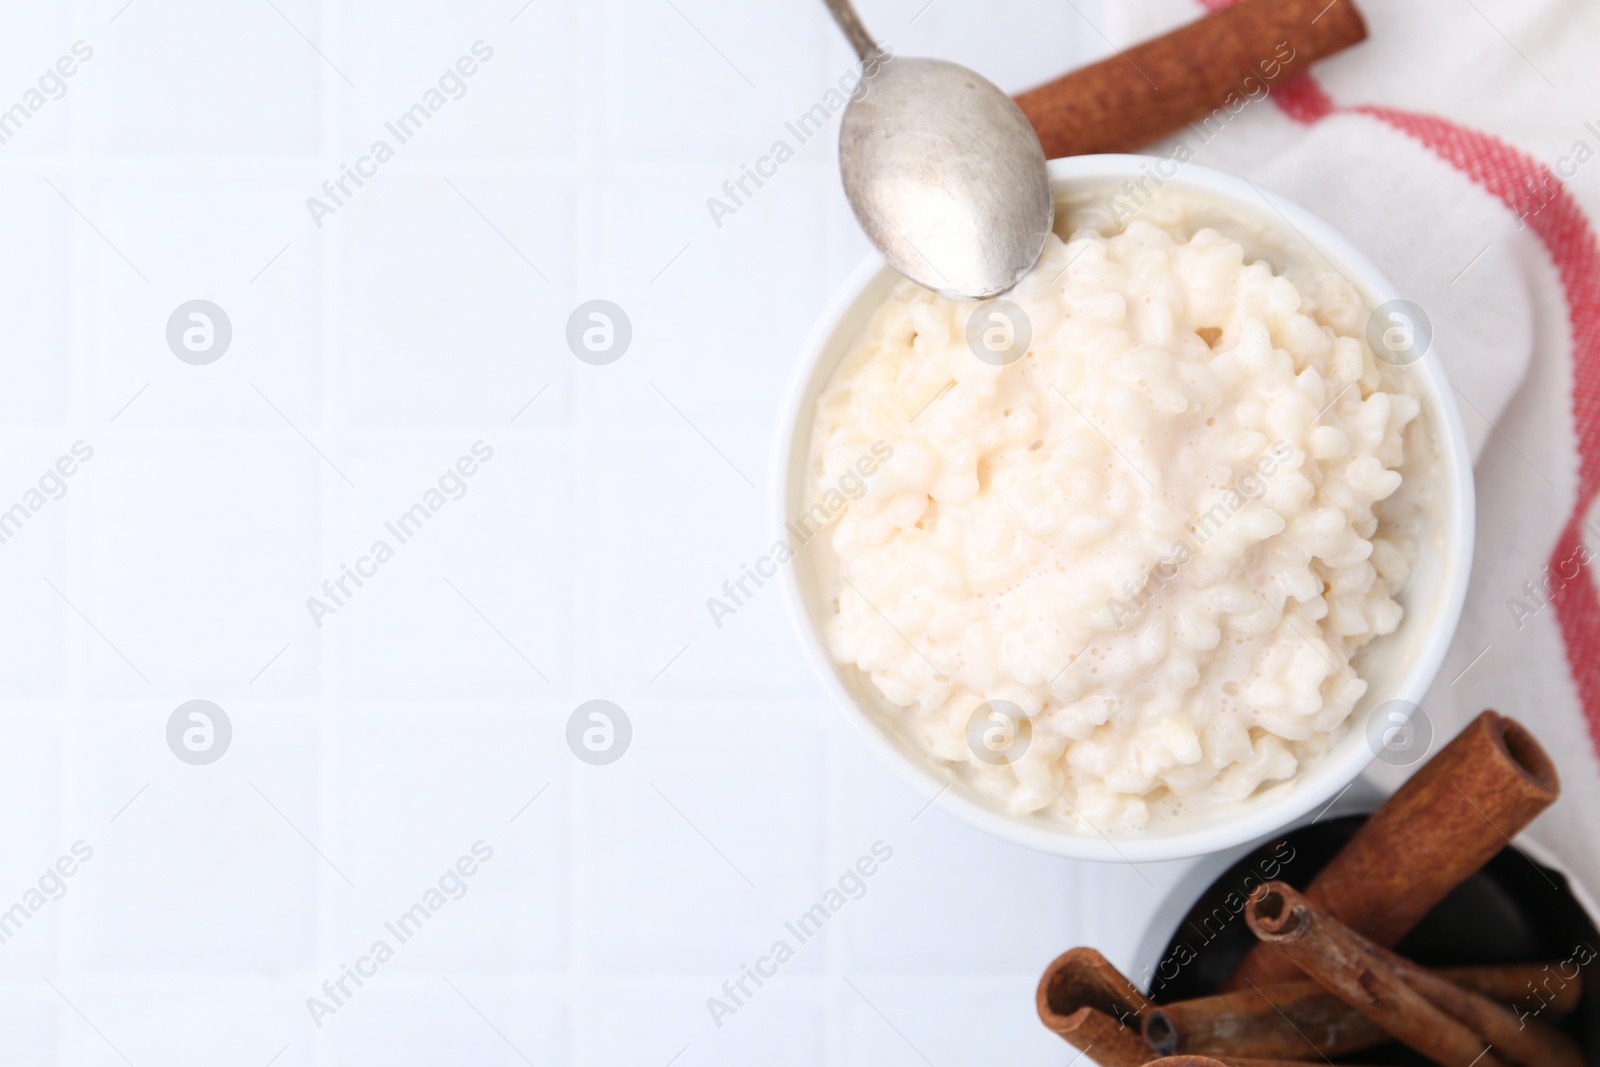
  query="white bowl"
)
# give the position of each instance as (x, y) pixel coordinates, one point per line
(1400, 667)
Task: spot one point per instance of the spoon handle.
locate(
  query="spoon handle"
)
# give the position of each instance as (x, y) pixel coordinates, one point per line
(844, 13)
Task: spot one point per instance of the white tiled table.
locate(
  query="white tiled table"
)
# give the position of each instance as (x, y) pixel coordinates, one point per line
(367, 355)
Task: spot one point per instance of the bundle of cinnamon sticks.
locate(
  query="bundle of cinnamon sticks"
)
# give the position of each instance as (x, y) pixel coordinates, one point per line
(1322, 981)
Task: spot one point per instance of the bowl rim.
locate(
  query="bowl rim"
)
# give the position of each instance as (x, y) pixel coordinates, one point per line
(1337, 770)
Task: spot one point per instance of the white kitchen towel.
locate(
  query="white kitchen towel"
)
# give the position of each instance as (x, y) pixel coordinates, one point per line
(1454, 147)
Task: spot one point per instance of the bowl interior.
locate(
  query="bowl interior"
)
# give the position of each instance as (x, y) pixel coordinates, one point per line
(1398, 667)
(1513, 910)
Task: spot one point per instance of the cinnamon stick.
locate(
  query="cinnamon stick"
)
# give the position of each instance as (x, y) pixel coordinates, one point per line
(1203, 72)
(1346, 965)
(1525, 1040)
(1526, 987)
(1444, 824)
(1221, 1061)
(1091, 1003)
(1301, 1019)
(1285, 1020)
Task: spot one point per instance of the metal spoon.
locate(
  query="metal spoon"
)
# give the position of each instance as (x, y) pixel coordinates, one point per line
(942, 170)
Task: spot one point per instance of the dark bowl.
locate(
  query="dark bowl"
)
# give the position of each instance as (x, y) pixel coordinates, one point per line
(1512, 911)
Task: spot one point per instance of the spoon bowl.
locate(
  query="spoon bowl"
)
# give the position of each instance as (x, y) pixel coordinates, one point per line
(943, 171)
(946, 177)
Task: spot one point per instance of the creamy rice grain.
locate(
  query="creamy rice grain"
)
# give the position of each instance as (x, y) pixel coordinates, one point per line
(1154, 532)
